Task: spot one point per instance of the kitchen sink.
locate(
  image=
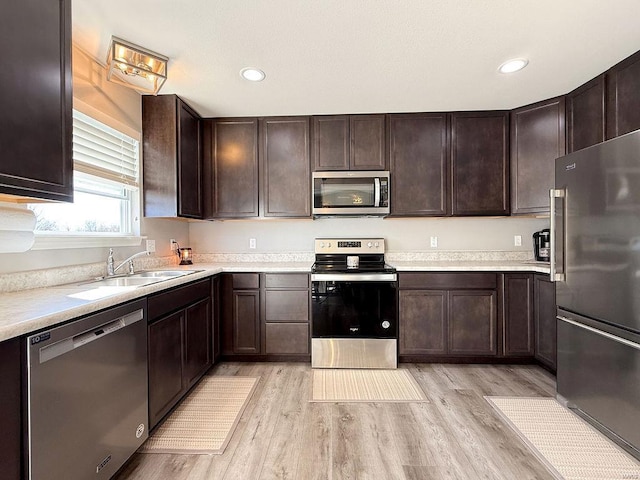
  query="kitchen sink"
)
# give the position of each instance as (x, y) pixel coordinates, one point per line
(164, 273)
(140, 279)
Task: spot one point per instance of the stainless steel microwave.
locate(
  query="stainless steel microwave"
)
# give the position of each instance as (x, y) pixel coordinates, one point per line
(359, 193)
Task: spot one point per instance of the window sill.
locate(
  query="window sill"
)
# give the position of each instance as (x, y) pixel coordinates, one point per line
(44, 241)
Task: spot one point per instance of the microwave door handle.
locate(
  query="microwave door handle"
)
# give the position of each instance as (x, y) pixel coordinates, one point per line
(376, 184)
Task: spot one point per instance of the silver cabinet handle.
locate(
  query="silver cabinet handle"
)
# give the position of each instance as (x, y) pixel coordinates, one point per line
(376, 201)
(554, 274)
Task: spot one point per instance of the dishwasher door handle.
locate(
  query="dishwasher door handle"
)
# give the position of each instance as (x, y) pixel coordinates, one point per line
(53, 350)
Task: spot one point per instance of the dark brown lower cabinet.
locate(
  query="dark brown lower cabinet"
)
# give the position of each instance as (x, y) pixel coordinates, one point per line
(10, 410)
(286, 313)
(265, 316)
(246, 321)
(165, 365)
(517, 332)
(448, 314)
(545, 321)
(423, 322)
(473, 322)
(180, 326)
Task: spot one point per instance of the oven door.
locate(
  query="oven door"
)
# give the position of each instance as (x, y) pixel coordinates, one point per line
(354, 321)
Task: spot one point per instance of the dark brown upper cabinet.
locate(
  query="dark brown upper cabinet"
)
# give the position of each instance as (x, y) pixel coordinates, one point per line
(285, 167)
(419, 164)
(36, 98)
(480, 163)
(172, 158)
(623, 97)
(231, 168)
(586, 115)
(349, 142)
(537, 139)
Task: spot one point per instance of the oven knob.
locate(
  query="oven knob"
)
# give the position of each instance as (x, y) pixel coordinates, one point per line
(376, 244)
(386, 324)
(329, 245)
(321, 244)
(369, 244)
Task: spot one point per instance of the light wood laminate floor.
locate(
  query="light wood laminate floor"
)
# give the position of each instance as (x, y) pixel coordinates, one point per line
(456, 435)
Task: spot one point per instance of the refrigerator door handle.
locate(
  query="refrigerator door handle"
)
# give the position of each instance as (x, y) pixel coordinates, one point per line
(624, 341)
(555, 275)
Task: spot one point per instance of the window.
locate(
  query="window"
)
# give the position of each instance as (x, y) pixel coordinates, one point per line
(105, 186)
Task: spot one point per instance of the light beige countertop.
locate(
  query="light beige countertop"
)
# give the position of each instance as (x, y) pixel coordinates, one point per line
(26, 311)
(471, 266)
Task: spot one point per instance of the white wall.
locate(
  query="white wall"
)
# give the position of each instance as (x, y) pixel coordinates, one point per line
(406, 234)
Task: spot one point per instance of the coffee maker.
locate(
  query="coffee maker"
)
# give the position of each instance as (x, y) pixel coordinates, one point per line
(542, 245)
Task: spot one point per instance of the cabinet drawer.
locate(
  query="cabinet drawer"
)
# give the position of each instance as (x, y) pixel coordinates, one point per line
(440, 281)
(165, 302)
(246, 281)
(286, 280)
(287, 338)
(286, 305)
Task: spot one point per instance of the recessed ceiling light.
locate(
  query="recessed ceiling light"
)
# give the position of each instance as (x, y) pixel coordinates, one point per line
(514, 65)
(252, 74)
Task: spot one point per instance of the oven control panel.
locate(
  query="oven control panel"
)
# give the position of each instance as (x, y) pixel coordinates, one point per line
(349, 245)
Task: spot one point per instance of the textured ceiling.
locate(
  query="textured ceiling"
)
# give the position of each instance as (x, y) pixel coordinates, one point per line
(359, 56)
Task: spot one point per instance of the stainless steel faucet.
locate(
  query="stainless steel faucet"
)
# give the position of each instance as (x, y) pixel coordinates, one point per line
(111, 270)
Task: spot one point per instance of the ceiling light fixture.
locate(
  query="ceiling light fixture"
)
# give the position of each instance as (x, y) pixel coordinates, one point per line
(252, 74)
(514, 65)
(136, 67)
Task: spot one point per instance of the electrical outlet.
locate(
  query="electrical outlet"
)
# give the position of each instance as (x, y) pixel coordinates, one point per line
(174, 245)
(151, 246)
(252, 243)
(517, 240)
(434, 242)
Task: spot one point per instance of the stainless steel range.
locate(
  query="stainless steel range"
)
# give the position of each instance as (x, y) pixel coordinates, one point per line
(354, 305)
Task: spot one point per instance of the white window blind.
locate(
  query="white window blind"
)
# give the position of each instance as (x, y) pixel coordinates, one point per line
(104, 152)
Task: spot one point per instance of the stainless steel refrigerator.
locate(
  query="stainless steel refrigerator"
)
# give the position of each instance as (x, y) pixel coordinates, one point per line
(595, 262)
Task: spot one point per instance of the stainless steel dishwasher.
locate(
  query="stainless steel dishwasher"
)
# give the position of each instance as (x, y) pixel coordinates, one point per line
(87, 394)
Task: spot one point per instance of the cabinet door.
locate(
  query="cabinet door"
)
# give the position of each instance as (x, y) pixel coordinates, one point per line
(422, 322)
(10, 409)
(585, 115)
(189, 163)
(545, 320)
(286, 176)
(36, 99)
(197, 338)
(480, 163)
(286, 305)
(246, 321)
(518, 315)
(419, 164)
(232, 168)
(537, 139)
(165, 365)
(368, 143)
(331, 142)
(472, 322)
(287, 338)
(623, 97)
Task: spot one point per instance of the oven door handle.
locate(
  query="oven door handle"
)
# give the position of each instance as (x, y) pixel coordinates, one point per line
(354, 277)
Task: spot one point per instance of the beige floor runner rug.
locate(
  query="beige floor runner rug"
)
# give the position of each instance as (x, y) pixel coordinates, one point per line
(205, 420)
(341, 385)
(569, 447)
